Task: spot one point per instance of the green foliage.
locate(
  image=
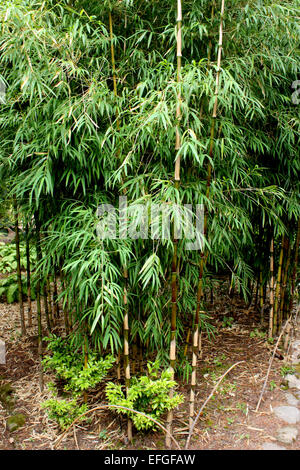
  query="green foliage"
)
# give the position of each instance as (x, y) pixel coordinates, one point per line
(285, 370)
(69, 365)
(227, 322)
(64, 412)
(272, 385)
(69, 144)
(148, 394)
(9, 288)
(257, 334)
(8, 260)
(184, 369)
(219, 361)
(243, 407)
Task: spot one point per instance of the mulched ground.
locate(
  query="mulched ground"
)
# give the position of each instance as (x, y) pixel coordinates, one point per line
(229, 421)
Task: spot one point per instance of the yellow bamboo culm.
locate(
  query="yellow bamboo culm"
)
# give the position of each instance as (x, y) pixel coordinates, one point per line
(126, 351)
(187, 342)
(175, 241)
(271, 317)
(261, 296)
(284, 281)
(18, 258)
(204, 254)
(294, 270)
(125, 272)
(277, 290)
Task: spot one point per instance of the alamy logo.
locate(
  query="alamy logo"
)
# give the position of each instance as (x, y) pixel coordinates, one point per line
(2, 92)
(155, 221)
(296, 94)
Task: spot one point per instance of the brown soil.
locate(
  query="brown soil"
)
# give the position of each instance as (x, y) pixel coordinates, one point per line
(229, 421)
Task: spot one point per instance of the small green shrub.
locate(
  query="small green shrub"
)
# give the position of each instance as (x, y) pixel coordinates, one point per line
(148, 394)
(64, 412)
(285, 370)
(227, 322)
(68, 365)
(257, 334)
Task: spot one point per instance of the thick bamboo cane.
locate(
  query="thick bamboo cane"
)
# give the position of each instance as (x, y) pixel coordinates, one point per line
(295, 266)
(277, 290)
(19, 279)
(86, 358)
(271, 317)
(261, 296)
(38, 305)
(28, 273)
(203, 253)
(50, 301)
(125, 272)
(284, 281)
(126, 350)
(46, 307)
(67, 306)
(174, 280)
(55, 294)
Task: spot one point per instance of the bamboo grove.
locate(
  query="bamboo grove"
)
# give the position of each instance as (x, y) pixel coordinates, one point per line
(174, 102)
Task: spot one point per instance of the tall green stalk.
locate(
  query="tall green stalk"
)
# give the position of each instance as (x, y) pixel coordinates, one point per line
(204, 253)
(125, 271)
(271, 315)
(174, 274)
(277, 289)
(295, 267)
(28, 275)
(38, 303)
(19, 279)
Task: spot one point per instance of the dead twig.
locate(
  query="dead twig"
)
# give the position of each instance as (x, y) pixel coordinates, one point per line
(206, 401)
(75, 438)
(270, 363)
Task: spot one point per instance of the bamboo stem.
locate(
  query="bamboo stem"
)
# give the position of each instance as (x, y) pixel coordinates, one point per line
(29, 310)
(126, 350)
(204, 255)
(46, 307)
(85, 362)
(284, 281)
(261, 296)
(271, 319)
(187, 342)
(174, 280)
(55, 294)
(50, 301)
(38, 304)
(19, 279)
(295, 266)
(125, 272)
(113, 62)
(277, 290)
